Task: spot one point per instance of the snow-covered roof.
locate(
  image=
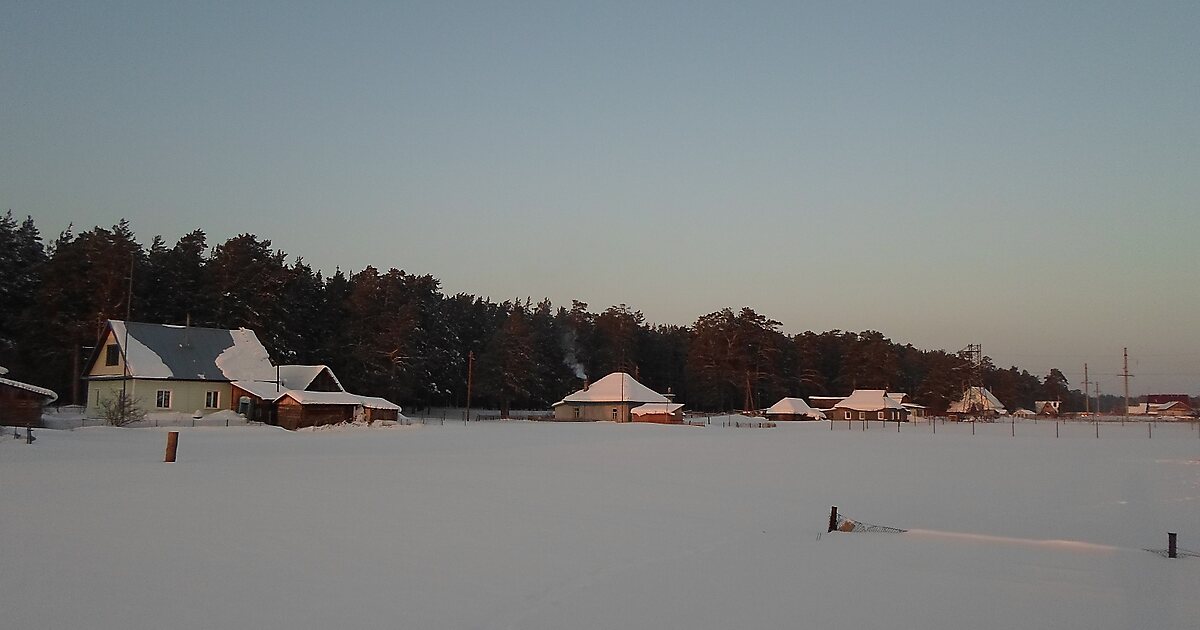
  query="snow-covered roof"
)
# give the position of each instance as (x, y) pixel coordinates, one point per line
(3, 370)
(616, 387)
(975, 400)
(338, 398)
(163, 351)
(898, 397)
(266, 390)
(795, 407)
(869, 400)
(1023, 412)
(656, 408)
(50, 395)
(1041, 404)
(301, 376)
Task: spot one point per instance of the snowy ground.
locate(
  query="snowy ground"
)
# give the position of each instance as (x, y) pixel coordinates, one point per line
(528, 525)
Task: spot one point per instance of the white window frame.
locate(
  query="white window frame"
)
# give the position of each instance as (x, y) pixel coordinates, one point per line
(158, 399)
(214, 397)
(862, 415)
(577, 412)
(849, 416)
(879, 416)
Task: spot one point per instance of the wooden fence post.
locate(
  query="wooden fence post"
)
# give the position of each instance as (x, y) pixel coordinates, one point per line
(172, 445)
(833, 518)
(1172, 551)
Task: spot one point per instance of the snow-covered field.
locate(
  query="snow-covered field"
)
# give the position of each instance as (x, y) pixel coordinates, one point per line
(538, 525)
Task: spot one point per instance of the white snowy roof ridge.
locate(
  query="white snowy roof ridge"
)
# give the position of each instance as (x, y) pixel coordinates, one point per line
(296, 376)
(31, 388)
(615, 388)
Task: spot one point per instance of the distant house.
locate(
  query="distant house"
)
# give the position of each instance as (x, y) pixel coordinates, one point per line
(610, 398)
(21, 404)
(1024, 413)
(1172, 409)
(976, 402)
(166, 368)
(869, 404)
(914, 410)
(793, 409)
(1047, 407)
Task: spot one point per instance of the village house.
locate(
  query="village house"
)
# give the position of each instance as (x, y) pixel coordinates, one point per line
(1169, 409)
(976, 402)
(611, 398)
(793, 409)
(914, 410)
(1047, 407)
(869, 404)
(188, 369)
(21, 404)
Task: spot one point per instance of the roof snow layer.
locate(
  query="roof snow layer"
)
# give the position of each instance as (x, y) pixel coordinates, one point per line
(614, 388)
(869, 400)
(192, 353)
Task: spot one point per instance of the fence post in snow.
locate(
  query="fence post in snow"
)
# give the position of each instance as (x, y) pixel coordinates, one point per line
(1056, 428)
(172, 445)
(1014, 426)
(1172, 551)
(833, 518)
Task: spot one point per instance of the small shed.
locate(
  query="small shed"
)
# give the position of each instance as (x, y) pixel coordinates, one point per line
(21, 404)
(793, 409)
(869, 404)
(1024, 413)
(660, 413)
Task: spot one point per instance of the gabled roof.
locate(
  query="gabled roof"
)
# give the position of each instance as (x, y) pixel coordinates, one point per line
(41, 391)
(975, 400)
(614, 388)
(653, 408)
(795, 407)
(301, 376)
(163, 351)
(869, 400)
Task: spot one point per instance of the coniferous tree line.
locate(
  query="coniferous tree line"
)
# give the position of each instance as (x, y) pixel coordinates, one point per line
(398, 335)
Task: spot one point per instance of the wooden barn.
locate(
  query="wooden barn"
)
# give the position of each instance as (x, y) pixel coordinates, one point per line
(1047, 408)
(21, 404)
(658, 413)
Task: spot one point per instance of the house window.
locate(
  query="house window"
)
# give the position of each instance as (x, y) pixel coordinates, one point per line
(163, 399)
(614, 414)
(112, 355)
(576, 413)
(880, 416)
(212, 400)
(847, 415)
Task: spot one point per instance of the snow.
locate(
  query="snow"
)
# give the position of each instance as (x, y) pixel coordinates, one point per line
(979, 398)
(140, 359)
(246, 359)
(616, 387)
(301, 376)
(529, 525)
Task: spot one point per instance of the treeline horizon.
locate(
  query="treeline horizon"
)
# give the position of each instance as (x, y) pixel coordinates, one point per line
(397, 335)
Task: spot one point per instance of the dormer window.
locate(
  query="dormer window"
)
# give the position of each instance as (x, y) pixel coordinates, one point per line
(112, 355)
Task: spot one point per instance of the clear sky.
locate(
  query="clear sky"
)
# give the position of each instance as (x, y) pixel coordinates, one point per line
(1021, 175)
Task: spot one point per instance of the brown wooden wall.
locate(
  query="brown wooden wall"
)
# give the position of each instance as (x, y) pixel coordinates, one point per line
(20, 407)
(379, 415)
(292, 415)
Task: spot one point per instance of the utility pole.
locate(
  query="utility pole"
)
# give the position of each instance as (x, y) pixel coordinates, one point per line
(1126, 374)
(1087, 399)
(470, 375)
(125, 406)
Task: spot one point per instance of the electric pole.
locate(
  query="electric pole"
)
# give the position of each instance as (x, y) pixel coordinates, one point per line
(1126, 374)
(470, 374)
(1087, 398)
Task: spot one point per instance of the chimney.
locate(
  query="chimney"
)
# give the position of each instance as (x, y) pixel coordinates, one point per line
(586, 385)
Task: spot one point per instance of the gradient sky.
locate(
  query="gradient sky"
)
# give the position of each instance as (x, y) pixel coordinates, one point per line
(1024, 176)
